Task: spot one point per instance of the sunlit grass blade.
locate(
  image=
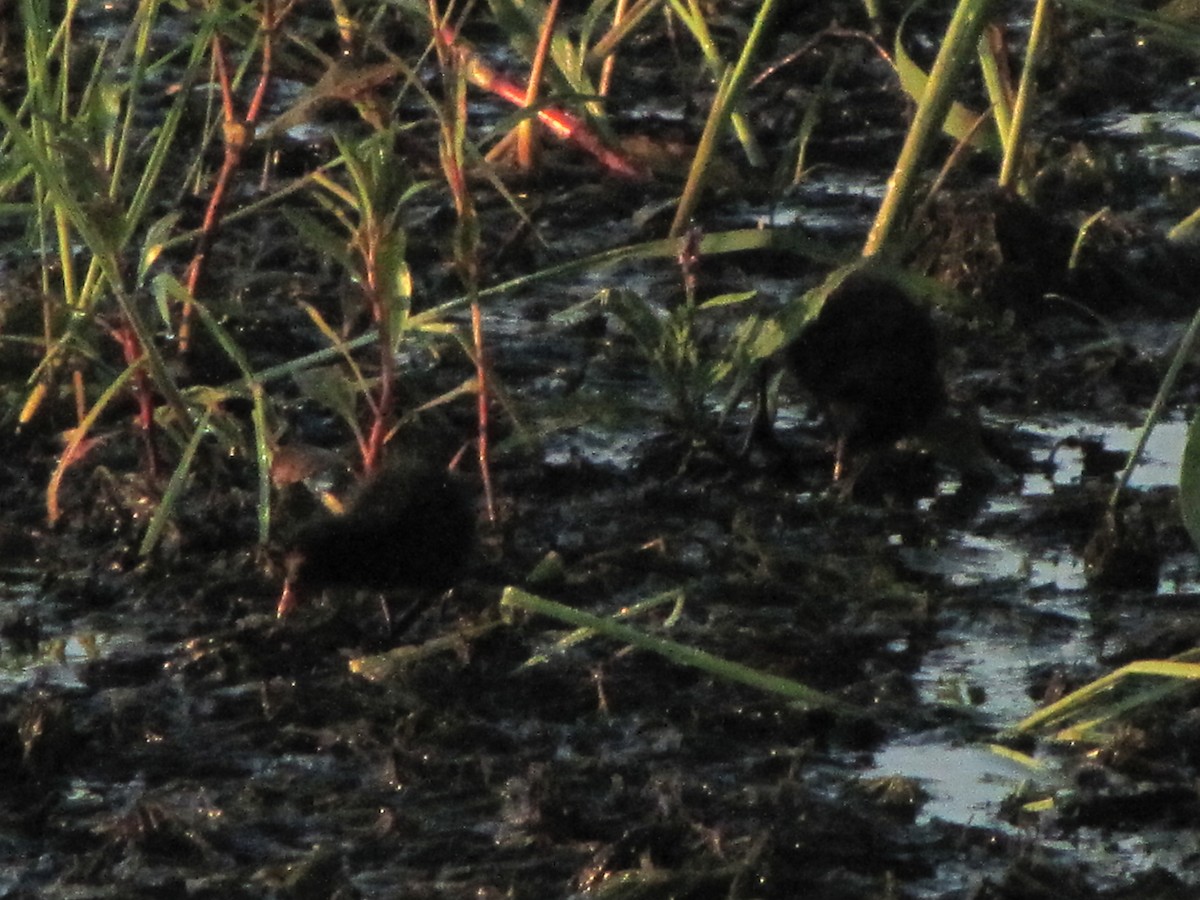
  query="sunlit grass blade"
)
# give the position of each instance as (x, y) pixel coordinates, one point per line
(993, 65)
(725, 103)
(960, 121)
(693, 18)
(1093, 710)
(956, 51)
(516, 598)
(1014, 151)
(1187, 230)
(621, 29)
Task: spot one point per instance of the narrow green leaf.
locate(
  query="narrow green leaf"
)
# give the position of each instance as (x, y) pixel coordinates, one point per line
(329, 387)
(960, 120)
(515, 598)
(166, 506)
(728, 299)
(321, 238)
(152, 246)
(639, 319)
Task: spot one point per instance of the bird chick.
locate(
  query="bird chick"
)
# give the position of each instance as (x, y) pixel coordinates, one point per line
(410, 526)
(870, 361)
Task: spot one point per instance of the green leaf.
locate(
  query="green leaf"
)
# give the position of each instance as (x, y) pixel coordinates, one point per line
(330, 387)
(960, 121)
(639, 319)
(766, 341)
(156, 237)
(728, 299)
(321, 238)
(170, 499)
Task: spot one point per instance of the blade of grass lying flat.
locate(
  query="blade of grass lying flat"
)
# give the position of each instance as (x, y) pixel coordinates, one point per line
(515, 598)
(579, 635)
(736, 241)
(392, 664)
(1016, 756)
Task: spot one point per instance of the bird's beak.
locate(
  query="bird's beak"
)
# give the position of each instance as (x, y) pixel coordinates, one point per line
(287, 600)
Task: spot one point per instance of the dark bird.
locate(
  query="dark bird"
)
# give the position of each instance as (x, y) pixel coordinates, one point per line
(870, 361)
(409, 526)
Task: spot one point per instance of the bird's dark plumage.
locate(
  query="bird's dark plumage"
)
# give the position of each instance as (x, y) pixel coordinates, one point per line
(408, 526)
(870, 361)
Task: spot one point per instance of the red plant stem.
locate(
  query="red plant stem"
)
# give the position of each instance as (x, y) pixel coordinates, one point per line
(467, 259)
(562, 124)
(237, 134)
(381, 406)
(131, 352)
(481, 394)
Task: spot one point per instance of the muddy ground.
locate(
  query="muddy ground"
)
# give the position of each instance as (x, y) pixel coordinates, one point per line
(163, 735)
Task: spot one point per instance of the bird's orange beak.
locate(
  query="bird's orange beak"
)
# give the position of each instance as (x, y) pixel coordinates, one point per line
(287, 600)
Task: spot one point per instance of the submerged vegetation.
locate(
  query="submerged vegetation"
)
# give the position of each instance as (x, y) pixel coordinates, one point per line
(255, 253)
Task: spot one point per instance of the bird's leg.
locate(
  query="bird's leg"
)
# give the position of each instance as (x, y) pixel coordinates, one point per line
(761, 430)
(289, 598)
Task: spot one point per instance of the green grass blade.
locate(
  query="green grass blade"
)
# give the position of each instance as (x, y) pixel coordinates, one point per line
(166, 506)
(957, 49)
(733, 81)
(1023, 108)
(515, 598)
(1182, 355)
(715, 244)
(258, 415)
